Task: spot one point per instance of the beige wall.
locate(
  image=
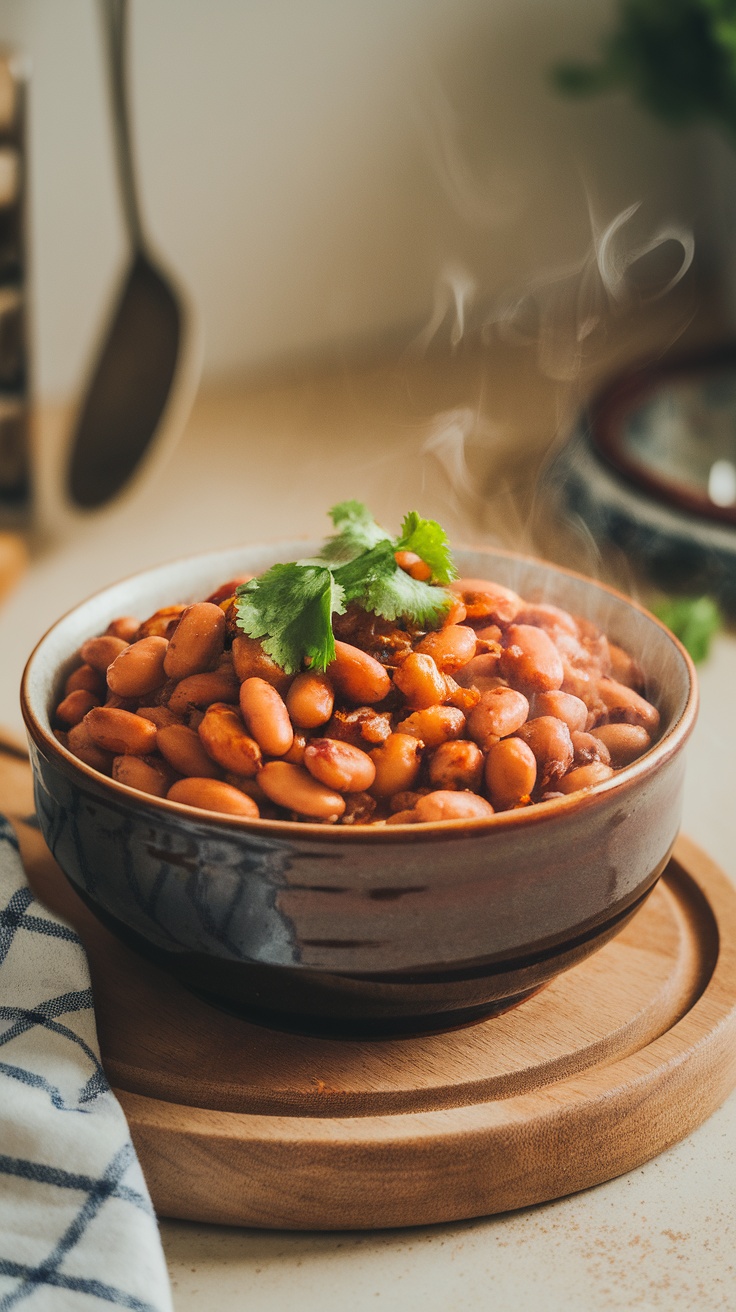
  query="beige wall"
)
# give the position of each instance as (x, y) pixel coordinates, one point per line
(309, 167)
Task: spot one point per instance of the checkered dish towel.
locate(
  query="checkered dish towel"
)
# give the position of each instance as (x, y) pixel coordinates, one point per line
(77, 1230)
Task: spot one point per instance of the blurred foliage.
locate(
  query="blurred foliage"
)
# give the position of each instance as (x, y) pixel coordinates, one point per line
(694, 620)
(678, 57)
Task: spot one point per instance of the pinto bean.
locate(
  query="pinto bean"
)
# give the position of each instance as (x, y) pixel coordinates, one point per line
(405, 817)
(413, 565)
(120, 732)
(252, 662)
(420, 681)
(225, 740)
(310, 700)
(184, 750)
(146, 773)
(456, 765)
(202, 690)
(625, 742)
(249, 786)
(582, 684)
(101, 652)
(455, 613)
(213, 795)
(510, 773)
(530, 661)
(82, 746)
(626, 706)
(296, 789)
(75, 706)
(550, 741)
(624, 669)
(295, 754)
(585, 776)
(447, 805)
(227, 590)
(587, 748)
(139, 668)
(161, 623)
(500, 711)
(485, 600)
(397, 764)
(158, 715)
(125, 627)
(489, 636)
(86, 679)
(551, 618)
(482, 672)
(339, 765)
(564, 706)
(197, 642)
(434, 725)
(407, 800)
(450, 648)
(357, 676)
(121, 703)
(266, 717)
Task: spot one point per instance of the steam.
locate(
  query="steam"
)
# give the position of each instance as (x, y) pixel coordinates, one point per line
(454, 292)
(480, 204)
(565, 317)
(564, 314)
(614, 260)
(446, 444)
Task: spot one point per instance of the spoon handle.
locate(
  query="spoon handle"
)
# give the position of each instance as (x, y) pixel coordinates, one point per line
(113, 15)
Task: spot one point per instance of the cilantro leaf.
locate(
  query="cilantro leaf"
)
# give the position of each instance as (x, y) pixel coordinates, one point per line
(694, 620)
(357, 531)
(290, 609)
(376, 582)
(428, 539)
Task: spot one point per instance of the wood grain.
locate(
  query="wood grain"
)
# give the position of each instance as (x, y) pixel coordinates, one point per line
(603, 1069)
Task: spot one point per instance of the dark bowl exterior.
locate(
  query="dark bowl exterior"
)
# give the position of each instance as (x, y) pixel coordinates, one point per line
(380, 931)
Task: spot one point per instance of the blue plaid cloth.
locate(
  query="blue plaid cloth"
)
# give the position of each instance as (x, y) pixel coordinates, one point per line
(77, 1230)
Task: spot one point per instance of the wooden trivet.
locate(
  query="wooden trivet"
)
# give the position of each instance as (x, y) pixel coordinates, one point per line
(606, 1067)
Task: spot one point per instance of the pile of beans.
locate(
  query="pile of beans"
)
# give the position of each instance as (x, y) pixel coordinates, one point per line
(510, 703)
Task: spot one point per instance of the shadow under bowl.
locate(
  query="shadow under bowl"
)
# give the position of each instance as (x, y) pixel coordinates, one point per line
(363, 931)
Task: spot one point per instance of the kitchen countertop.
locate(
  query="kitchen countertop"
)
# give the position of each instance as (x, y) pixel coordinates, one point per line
(263, 461)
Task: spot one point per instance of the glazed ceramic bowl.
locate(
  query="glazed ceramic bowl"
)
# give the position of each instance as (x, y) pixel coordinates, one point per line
(345, 930)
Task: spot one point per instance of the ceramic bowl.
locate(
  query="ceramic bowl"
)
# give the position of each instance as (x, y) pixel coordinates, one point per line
(354, 931)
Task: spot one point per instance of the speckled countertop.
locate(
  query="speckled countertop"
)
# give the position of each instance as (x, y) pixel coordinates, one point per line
(264, 462)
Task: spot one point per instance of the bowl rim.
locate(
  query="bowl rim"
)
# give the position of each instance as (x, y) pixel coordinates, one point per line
(541, 812)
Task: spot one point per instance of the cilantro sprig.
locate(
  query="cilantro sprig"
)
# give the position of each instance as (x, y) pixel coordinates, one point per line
(357, 531)
(290, 607)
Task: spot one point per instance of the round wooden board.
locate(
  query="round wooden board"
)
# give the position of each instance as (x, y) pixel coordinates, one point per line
(606, 1067)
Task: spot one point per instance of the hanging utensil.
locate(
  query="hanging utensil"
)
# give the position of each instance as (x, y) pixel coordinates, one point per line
(140, 364)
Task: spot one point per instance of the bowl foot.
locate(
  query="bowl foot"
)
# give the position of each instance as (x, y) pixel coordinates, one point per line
(384, 1027)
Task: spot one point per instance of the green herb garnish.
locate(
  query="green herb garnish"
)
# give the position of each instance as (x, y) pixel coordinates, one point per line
(290, 608)
(428, 540)
(357, 531)
(694, 620)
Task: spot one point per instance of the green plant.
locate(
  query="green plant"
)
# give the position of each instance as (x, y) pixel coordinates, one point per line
(678, 57)
(694, 620)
